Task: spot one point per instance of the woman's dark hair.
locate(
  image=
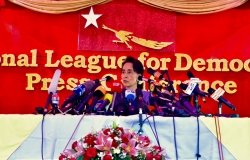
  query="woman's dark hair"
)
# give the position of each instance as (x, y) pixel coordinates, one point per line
(137, 65)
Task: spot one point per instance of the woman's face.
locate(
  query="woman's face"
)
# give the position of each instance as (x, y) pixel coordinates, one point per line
(129, 77)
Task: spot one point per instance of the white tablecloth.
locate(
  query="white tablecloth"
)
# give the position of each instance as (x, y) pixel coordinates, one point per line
(59, 128)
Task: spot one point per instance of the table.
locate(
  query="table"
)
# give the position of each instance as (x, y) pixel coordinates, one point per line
(21, 135)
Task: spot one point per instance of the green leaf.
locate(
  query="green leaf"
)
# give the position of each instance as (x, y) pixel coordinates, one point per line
(80, 158)
(114, 125)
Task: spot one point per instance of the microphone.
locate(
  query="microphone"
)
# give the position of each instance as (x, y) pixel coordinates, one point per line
(156, 74)
(54, 82)
(88, 86)
(82, 93)
(55, 104)
(55, 100)
(130, 96)
(51, 90)
(85, 87)
(190, 75)
(79, 91)
(143, 79)
(160, 76)
(102, 104)
(141, 106)
(222, 100)
(99, 92)
(107, 78)
(196, 90)
(185, 104)
(116, 87)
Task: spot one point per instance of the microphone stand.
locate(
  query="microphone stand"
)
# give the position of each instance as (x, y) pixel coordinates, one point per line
(111, 108)
(54, 104)
(81, 108)
(48, 102)
(140, 106)
(140, 122)
(170, 82)
(44, 110)
(220, 108)
(196, 104)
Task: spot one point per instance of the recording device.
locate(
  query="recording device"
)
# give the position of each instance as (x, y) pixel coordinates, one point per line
(211, 91)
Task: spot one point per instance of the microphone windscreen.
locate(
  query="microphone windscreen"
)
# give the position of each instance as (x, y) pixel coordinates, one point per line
(100, 91)
(130, 95)
(190, 74)
(89, 86)
(210, 91)
(54, 82)
(151, 71)
(140, 78)
(108, 78)
(116, 87)
(79, 90)
(183, 86)
(108, 97)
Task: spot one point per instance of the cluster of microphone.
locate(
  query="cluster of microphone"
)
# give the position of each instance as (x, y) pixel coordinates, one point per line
(164, 100)
(91, 97)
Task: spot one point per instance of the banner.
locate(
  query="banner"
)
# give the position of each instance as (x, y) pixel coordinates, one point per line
(126, 26)
(215, 47)
(2, 3)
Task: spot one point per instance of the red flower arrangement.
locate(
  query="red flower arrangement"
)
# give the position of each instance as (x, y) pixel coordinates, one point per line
(113, 143)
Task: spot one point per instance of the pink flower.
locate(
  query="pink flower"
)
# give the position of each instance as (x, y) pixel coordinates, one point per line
(103, 143)
(130, 147)
(143, 141)
(127, 134)
(113, 142)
